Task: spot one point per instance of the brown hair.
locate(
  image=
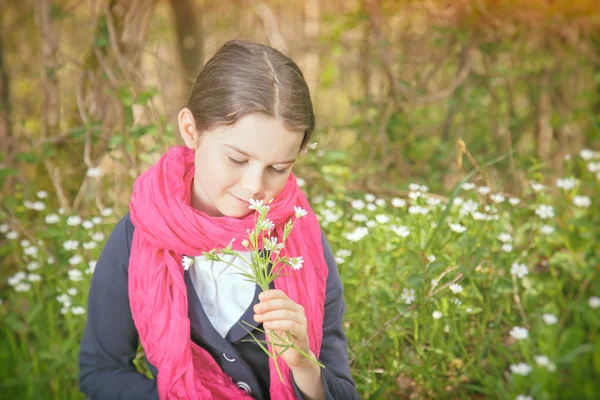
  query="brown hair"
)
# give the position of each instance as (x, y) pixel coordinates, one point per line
(244, 78)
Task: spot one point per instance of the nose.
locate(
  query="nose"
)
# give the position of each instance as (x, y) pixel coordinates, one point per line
(253, 183)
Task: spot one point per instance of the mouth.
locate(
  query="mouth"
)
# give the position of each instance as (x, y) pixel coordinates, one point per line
(240, 200)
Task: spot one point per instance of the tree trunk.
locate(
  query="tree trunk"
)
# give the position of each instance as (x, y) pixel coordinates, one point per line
(190, 40)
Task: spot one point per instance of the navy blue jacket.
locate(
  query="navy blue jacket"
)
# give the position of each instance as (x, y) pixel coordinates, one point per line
(110, 340)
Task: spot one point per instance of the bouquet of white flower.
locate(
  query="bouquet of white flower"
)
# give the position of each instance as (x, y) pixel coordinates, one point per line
(266, 264)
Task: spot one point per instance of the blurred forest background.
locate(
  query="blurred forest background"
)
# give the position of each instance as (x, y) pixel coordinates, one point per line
(403, 90)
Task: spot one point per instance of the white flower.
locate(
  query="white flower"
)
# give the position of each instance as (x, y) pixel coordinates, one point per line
(519, 333)
(497, 198)
(550, 319)
(457, 228)
(75, 275)
(467, 186)
(89, 245)
(272, 245)
(371, 207)
(434, 282)
(468, 207)
(16, 278)
(357, 204)
(458, 201)
(582, 201)
(34, 277)
(31, 251)
(339, 260)
(24, 243)
(330, 203)
(64, 310)
(78, 310)
(380, 202)
(344, 253)
(4, 228)
(106, 212)
(63, 298)
(359, 218)
(398, 202)
(456, 288)
(437, 314)
(514, 201)
(51, 219)
(72, 291)
(296, 262)
(545, 211)
(401, 230)
(424, 188)
(97, 237)
(301, 182)
(12, 235)
(594, 302)
(317, 199)
(28, 204)
(523, 397)
(92, 266)
(433, 201)
(93, 172)
(593, 167)
(71, 245)
(50, 260)
(33, 266)
(38, 206)
(505, 237)
(187, 262)
(418, 210)
(483, 190)
(542, 361)
(23, 287)
(382, 218)
(61, 211)
(520, 369)
(87, 224)
(446, 328)
(547, 230)
(468, 310)
(245, 243)
(266, 225)
(431, 258)
(97, 220)
(415, 187)
(300, 212)
(457, 301)
(357, 234)
(586, 154)
(76, 259)
(74, 220)
(369, 197)
(566, 183)
(537, 187)
(408, 295)
(42, 194)
(414, 195)
(312, 146)
(519, 270)
(507, 247)
(371, 224)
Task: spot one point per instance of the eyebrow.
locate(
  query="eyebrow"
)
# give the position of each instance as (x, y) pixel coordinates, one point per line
(250, 156)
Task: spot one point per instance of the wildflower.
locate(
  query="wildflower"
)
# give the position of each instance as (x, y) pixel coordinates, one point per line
(87, 224)
(338, 260)
(301, 182)
(312, 146)
(359, 218)
(31, 251)
(434, 282)
(586, 154)
(424, 188)
(467, 186)
(457, 302)
(380, 202)
(414, 195)
(72, 291)
(431, 258)
(71, 245)
(12, 235)
(401, 231)
(90, 245)
(38, 206)
(50, 260)
(61, 211)
(97, 220)
(24, 243)
(437, 314)
(537, 187)
(542, 361)
(582, 201)
(358, 234)
(187, 262)
(296, 262)
(42, 194)
(369, 197)
(566, 183)
(92, 266)
(483, 190)
(550, 319)
(33, 266)
(93, 172)
(468, 207)
(97, 237)
(523, 397)
(433, 201)
(408, 295)
(51, 219)
(74, 220)
(458, 201)
(75, 275)
(357, 204)
(78, 310)
(415, 187)
(16, 278)
(418, 210)
(371, 207)
(457, 228)
(468, 310)
(456, 288)
(106, 212)
(547, 229)
(519, 270)
(23, 287)
(519, 333)
(382, 218)
(371, 224)
(34, 277)
(504, 237)
(272, 245)
(344, 253)
(446, 328)
(330, 203)
(545, 211)
(514, 201)
(594, 302)
(4, 228)
(318, 199)
(497, 198)
(507, 247)
(398, 202)
(76, 259)
(593, 167)
(520, 369)
(245, 243)
(300, 212)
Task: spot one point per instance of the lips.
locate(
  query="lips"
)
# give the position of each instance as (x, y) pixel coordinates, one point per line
(240, 200)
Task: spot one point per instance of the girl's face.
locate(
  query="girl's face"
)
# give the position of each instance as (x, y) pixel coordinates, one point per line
(249, 160)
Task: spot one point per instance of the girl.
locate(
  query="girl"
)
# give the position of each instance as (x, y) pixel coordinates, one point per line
(248, 117)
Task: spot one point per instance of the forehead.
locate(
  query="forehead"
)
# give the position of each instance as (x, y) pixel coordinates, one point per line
(264, 138)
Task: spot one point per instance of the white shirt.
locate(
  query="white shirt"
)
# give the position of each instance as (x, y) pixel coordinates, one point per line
(224, 293)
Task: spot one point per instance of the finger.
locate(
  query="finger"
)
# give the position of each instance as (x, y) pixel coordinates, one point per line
(281, 314)
(277, 304)
(272, 294)
(284, 325)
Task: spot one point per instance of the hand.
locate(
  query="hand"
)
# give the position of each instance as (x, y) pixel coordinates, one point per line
(278, 312)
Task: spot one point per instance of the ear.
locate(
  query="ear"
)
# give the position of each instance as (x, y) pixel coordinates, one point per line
(187, 128)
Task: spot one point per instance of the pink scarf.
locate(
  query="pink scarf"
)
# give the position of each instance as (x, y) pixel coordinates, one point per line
(166, 228)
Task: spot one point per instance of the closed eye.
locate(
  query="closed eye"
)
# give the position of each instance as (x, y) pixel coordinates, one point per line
(238, 163)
